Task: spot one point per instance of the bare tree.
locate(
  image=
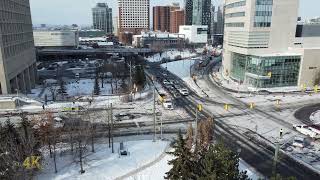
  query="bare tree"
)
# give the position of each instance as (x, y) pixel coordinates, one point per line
(189, 137)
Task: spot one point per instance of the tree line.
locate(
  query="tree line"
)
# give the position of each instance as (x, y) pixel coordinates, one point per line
(203, 158)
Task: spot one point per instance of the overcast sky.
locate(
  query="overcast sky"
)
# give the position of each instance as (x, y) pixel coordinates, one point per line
(79, 11)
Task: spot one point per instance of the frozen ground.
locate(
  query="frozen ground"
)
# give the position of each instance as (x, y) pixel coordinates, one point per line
(315, 117)
(76, 88)
(171, 54)
(157, 171)
(103, 164)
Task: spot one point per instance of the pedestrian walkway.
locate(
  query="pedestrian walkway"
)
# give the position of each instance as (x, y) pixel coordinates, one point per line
(144, 167)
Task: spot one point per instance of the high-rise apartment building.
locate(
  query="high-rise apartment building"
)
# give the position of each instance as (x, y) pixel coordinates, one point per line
(102, 18)
(188, 12)
(161, 18)
(134, 15)
(260, 47)
(17, 52)
(177, 18)
(201, 14)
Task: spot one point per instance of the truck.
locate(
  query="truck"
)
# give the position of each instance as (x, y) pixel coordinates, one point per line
(166, 101)
(312, 131)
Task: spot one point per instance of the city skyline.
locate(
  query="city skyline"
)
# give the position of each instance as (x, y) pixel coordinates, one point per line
(58, 12)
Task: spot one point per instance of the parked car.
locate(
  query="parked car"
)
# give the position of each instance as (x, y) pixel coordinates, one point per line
(311, 131)
(299, 142)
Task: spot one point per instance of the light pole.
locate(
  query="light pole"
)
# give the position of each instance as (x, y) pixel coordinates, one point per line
(154, 112)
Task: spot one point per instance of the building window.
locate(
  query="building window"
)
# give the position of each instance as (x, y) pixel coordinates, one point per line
(254, 70)
(263, 13)
(237, 14)
(239, 24)
(235, 4)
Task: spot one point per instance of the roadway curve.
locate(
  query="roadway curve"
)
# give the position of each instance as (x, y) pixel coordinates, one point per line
(303, 114)
(257, 153)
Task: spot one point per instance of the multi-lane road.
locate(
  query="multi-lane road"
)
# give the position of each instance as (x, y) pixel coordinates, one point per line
(257, 152)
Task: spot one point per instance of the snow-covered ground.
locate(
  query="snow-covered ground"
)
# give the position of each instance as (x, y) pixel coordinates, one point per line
(103, 164)
(315, 117)
(76, 88)
(171, 54)
(158, 170)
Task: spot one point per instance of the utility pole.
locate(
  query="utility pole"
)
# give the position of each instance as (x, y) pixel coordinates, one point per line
(161, 128)
(154, 111)
(276, 154)
(109, 128)
(111, 117)
(196, 128)
(130, 75)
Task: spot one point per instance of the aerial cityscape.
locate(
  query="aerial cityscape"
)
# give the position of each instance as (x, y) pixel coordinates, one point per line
(153, 90)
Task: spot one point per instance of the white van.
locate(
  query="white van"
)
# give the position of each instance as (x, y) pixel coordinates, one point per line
(167, 104)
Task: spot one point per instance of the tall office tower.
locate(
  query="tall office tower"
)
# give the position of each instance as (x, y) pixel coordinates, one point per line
(217, 21)
(17, 52)
(258, 38)
(188, 11)
(102, 18)
(201, 14)
(177, 18)
(134, 15)
(161, 18)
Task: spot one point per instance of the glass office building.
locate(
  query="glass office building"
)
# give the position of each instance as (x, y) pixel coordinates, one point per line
(266, 72)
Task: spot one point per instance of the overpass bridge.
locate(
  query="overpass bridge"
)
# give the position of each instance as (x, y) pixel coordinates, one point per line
(47, 54)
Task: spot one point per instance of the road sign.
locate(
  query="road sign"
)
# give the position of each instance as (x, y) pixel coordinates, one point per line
(269, 74)
(227, 107)
(199, 107)
(303, 87)
(252, 105)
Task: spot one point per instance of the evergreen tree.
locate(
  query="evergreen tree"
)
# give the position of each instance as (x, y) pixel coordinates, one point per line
(279, 177)
(219, 163)
(182, 164)
(139, 76)
(96, 88)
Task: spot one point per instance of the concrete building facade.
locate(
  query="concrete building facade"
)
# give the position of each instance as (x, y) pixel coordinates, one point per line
(177, 19)
(134, 15)
(161, 18)
(260, 48)
(67, 39)
(195, 34)
(17, 52)
(102, 18)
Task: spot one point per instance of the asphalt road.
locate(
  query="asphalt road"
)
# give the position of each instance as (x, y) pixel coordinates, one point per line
(303, 114)
(257, 153)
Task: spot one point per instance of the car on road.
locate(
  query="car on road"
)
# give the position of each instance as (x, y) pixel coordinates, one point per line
(176, 95)
(167, 104)
(177, 86)
(184, 92)
(165, 82)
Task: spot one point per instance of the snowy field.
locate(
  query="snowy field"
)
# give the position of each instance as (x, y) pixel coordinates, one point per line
(158, 170)
(103, 164)
(77, 88)
(171, 54)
